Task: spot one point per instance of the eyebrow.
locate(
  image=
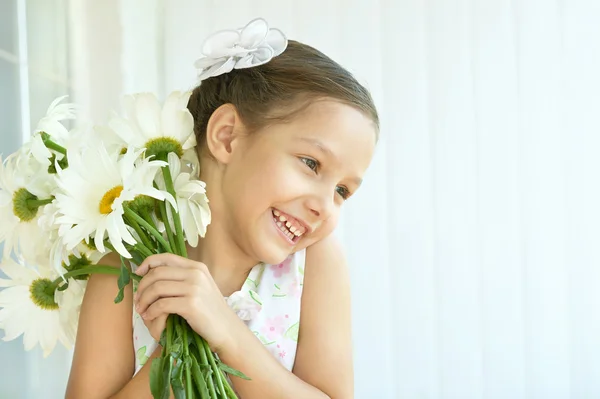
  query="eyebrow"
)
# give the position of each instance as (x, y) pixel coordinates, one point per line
(327, 151)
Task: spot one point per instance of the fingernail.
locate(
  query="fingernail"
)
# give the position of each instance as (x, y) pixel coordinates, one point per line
(144, 315)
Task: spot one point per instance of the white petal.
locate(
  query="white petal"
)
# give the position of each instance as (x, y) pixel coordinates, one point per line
(99, 236)
(174, 165)
(115, 238)
(178, 125)
(217, 69)
(220, 43)
(254, 33)
(190, 143)
(277, 41)
(260, 56)
(39, 151)
(189, 224)
(127, 132)
(147, 110)
(203, 63)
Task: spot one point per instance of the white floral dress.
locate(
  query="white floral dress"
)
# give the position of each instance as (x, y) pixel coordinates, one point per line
(269, 304)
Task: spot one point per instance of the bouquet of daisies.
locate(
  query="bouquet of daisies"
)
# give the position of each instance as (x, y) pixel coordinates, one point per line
(68, 197)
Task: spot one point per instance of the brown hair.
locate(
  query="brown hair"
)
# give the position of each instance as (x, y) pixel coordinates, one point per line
(278, 90)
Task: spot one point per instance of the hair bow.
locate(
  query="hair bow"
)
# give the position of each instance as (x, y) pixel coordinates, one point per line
(253, 45)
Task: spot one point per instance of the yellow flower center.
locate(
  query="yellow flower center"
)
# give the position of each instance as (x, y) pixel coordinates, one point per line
(109, 198)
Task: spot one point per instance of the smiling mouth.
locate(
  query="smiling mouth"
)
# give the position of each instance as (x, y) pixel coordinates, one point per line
(289, 226)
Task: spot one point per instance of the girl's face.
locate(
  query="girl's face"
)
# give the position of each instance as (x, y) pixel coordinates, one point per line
(284, 186)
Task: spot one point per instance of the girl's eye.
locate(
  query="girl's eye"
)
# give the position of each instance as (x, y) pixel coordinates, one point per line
(343, 192)
(311, 163)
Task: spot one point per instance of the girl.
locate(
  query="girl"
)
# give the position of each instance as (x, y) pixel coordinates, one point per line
(282, 142)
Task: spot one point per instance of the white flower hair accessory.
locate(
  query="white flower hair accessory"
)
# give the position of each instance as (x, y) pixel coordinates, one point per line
(253, 45)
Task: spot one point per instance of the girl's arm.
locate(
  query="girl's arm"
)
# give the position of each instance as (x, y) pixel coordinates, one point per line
(323, 367)
(103, 362)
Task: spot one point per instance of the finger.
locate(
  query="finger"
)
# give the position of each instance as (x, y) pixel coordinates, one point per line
(158, 326)
(161, 289)
(166, 306)
(165, 260)
(161, 273)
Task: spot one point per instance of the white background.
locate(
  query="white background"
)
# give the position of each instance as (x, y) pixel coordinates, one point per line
(474, 244)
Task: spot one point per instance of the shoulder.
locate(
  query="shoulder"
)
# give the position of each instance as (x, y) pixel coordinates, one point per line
(326, 261)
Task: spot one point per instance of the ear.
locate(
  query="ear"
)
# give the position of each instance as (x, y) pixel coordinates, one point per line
(222, 130)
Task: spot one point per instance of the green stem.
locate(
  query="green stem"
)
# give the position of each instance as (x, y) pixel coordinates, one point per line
(170, 328)
(202, 351)
(148, 218)
(150, 229)
(186, 354)
(143, 250)
(100, 269)
(133, 223)
(213, 365)
(228, 389)
(178, 229)
(52, 145)
(37, 203)
(162, 206)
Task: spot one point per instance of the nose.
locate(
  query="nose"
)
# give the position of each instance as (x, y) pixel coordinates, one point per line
(321, 204)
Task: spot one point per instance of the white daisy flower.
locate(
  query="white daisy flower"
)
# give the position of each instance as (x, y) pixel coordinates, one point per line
(50, 126)
(93, 190)
(88, 135)
(57, 253)
(158, 130)
(19, 207)
(29, 307)
(192, 202)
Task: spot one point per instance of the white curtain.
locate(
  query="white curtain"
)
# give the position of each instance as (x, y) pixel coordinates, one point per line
(474, 244)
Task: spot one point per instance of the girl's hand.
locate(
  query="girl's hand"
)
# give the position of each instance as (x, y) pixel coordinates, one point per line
(176, 285)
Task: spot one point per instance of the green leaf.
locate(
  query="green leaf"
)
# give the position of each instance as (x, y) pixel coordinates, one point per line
(158, 384)
(163, 338)
(166, 376)
(179, 330)
(137, 258)
(232, 371)
(198, 376)
(176, 350)
(120, 296)
(177, 380)
(178, 392)
(124, 279)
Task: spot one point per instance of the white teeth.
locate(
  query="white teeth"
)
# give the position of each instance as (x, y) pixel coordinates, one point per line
(286, 227)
